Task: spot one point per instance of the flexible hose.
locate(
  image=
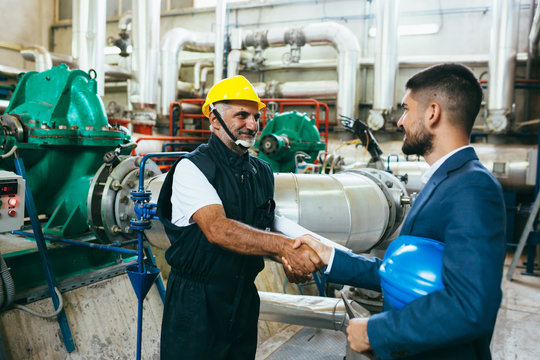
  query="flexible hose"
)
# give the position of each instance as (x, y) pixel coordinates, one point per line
(56, 312)
(9, 153)
(8, 281)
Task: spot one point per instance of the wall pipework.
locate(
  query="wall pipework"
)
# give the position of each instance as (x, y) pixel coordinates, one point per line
(327, 33)
(386, 63)
(38, 54)
(221, 19)
(173, 42)
(88, 44)
(143, 88)
(502, 63)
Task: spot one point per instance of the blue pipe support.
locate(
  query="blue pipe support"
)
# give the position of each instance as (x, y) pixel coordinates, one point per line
(145, 212)
(42, 248)
(388, 161)
(79, 243)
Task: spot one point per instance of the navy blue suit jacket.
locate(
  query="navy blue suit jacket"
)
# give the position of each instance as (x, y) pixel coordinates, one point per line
(461, 205)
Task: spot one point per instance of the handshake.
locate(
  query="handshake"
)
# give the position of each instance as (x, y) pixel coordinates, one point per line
(304, 256)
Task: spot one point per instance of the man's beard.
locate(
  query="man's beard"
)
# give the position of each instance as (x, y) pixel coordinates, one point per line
(420, 143)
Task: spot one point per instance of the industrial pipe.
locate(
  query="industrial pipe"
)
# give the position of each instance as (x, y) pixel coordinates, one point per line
(173, 42)
(88, 44)
(502, 63)
(38, 54)
(534, 34)
(327, 33)
(221, 23)
(386, 64)
(143, 90)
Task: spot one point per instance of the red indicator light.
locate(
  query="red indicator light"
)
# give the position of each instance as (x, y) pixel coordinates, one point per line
(12, 202)
(12, 212)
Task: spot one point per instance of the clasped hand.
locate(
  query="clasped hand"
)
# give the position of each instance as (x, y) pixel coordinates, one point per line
(302, 258)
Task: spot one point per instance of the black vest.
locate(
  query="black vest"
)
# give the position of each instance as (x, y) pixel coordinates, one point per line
(245, 185)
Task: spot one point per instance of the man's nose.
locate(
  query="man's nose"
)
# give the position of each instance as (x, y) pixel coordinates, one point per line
(252, 123)
(400, 121)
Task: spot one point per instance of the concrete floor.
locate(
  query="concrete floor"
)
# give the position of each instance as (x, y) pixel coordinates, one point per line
(518, 321)
(515, 336)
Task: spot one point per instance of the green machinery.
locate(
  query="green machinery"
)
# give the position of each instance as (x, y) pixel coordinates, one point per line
(76, 166)
(285, 137)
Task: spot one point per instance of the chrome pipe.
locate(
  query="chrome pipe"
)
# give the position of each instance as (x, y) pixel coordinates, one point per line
(173, 42)
(89, 17)
(502, 63)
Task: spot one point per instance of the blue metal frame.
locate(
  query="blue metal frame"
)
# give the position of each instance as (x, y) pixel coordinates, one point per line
(143, 276)
(42, 248)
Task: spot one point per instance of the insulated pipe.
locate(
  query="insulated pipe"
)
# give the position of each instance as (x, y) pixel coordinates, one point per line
(197, 74)
(38, 54)
(313, 311)
(145, 23)
(360, 209)
(327, 33)
(534, 35)
(327, 89)
(221, 20)
(173, 42)
(89, 17)
(386, 63)
(502, 63)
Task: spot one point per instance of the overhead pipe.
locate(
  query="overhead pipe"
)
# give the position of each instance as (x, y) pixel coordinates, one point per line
(172, 43)
(89, 17)
(386, 63)
(221, 23)
(143, 89)
(327, 33)
(40, 55)
(502, 63)
(534, 34)
(197, 73)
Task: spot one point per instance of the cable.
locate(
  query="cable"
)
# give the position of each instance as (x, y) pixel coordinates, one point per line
(55, 313)
(9, 153)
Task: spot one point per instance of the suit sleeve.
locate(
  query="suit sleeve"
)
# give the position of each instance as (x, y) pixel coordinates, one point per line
(355, 270)
(473, 225)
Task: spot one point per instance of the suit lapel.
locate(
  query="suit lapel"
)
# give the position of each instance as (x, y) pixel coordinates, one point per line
(452, 163)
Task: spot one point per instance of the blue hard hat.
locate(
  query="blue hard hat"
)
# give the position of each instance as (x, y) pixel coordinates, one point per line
(411, 268)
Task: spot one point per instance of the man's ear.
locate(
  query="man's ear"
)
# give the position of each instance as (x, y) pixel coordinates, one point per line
(433, 113)
(214, 121)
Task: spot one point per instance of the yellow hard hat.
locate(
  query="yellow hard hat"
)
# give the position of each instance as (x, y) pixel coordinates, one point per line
(233, 88)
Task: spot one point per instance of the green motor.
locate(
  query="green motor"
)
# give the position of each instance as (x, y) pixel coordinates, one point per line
(286, 135)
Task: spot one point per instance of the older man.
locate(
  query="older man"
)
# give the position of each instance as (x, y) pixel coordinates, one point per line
(215, 204)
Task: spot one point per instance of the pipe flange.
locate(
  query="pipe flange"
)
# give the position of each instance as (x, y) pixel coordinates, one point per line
(12, 126)
(109, 206)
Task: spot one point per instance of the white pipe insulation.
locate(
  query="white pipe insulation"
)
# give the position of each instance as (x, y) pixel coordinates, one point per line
(88, 43)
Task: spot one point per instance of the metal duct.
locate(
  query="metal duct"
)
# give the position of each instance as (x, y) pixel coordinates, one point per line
(145, 55)
(221, 12)
(327, 33)
(502, 63)
(386, 63)
(38, 54)
(360, 209)
(313, 311)
(88, 44)
(173, 42)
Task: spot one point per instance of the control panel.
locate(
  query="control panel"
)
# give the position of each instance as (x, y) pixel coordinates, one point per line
(11, 201)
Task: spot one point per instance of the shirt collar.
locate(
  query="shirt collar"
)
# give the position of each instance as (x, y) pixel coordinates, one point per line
(437, 164)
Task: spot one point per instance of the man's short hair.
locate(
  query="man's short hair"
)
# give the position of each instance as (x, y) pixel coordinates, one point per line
(454, 87)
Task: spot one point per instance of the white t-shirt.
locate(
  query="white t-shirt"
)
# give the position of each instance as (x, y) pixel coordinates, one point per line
(191, 191)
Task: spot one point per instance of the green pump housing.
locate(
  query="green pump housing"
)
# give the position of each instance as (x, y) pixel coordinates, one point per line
(57, 123)
(287, 135)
